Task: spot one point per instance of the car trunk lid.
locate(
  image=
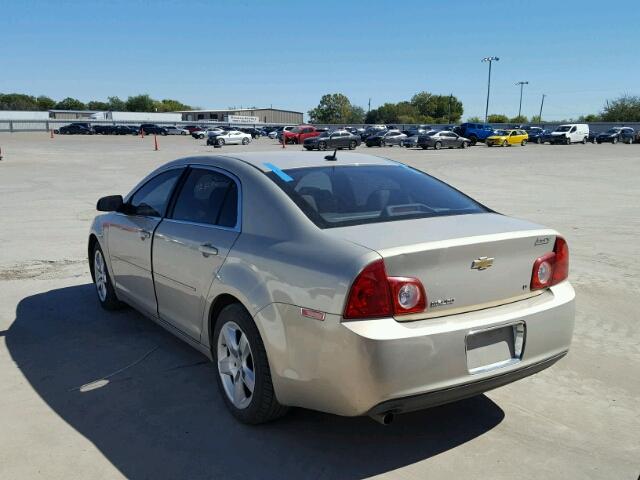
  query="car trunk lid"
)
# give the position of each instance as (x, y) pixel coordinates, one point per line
(465, 262)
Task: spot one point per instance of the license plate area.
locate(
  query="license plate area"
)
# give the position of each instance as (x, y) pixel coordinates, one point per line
(493, 348)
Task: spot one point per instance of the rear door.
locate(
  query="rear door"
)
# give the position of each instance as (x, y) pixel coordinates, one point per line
(192, 243)
(129, 239)
(342, 139)
(451, 139)
(393, 138)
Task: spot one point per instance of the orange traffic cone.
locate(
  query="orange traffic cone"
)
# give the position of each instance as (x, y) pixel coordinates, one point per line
(155, 142)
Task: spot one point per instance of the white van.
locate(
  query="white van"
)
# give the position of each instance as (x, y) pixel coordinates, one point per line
(570, 133)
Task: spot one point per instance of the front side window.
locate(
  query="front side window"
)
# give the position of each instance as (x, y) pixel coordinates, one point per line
(207, 197)
(152, 198)
(337, 196)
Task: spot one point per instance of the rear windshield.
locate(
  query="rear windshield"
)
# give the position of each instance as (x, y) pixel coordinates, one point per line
(338, 196)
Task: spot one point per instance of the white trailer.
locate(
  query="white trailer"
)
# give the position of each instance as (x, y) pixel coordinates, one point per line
(138, 117)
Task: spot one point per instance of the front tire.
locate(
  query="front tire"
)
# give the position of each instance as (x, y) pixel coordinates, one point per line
(473, 139)
(221, 141)
(352, 145)
(322, 146)
(104, 287)
(615, 140)
(464, 145)
(244, 376)
(437, 146)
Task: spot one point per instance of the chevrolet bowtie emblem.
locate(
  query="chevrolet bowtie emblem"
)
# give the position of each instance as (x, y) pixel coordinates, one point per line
(482, 263)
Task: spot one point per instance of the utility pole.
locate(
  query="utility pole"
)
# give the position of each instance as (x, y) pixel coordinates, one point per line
(369, 109)
(449, 114)
(541, 104)
(490, 60)
(522, 84)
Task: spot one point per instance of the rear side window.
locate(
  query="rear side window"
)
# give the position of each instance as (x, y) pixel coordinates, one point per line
(337, 196)
(151, 199)
(207, 197)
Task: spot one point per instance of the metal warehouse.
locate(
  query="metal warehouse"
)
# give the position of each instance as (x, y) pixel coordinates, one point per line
(261, 115)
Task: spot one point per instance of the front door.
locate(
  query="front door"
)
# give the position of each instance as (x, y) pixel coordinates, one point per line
(129, 239)
(192, 243)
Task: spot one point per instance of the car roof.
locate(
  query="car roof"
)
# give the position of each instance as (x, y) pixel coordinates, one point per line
(265, 161)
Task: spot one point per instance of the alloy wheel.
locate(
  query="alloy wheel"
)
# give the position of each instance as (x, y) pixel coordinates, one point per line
(100, 274)
(235, 365)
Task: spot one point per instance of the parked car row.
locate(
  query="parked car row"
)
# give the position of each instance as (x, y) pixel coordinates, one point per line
(418, 136)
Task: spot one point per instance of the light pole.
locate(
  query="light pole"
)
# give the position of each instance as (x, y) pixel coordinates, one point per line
(490, 60)
(522, 84)
(541, 104)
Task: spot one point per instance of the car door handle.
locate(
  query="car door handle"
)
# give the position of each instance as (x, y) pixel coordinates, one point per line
(144, 234)
(207, 249)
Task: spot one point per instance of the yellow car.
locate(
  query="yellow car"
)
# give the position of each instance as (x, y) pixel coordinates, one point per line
(506, 138)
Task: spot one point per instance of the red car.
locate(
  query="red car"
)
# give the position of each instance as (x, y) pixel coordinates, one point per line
(193, 128)
(300, 133)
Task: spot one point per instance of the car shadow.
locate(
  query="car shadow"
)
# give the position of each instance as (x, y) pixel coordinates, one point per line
(150, 404)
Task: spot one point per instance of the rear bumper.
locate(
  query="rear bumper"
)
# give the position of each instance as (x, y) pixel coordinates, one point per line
(459, 392)
(370, 366)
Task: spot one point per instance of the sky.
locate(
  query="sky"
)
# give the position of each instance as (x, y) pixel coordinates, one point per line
(219, 53)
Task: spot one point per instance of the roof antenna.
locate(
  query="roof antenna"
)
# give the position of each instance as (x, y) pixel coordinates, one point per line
(332, 158)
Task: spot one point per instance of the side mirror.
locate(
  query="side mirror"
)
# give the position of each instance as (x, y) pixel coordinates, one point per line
(112, 203)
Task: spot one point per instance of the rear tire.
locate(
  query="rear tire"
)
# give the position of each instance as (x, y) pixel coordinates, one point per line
(615, 140)
(505, 144)
(245, 141)
(539, 141)
(244, 377)
(102, 281)
(352, 145)
(221, 141)
(473, 139)
(322, 146)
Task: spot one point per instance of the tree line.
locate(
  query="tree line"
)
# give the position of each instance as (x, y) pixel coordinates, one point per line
(136, 103)
(425, 107)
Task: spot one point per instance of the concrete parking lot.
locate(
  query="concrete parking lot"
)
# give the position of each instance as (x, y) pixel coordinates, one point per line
(158, 414)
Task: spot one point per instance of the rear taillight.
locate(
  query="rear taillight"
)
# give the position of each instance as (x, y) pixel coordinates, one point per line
(561, 269)
(551, 268)
(374, 294)
(408, 295)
